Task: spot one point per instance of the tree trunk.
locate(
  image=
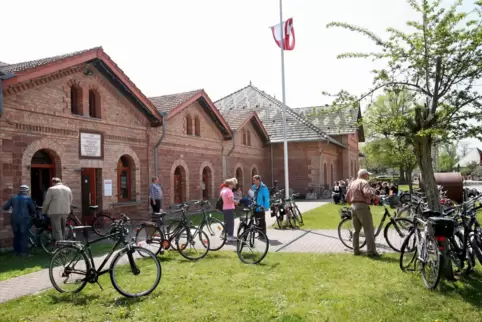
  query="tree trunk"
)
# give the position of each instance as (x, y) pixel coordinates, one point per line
(402, 178)
(409, 180)
(423, 151)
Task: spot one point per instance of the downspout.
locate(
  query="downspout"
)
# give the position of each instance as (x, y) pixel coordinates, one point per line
(156, 147)
(229, 153)
(272, 165)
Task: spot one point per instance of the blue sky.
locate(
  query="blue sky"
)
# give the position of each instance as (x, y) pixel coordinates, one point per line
(173, 46)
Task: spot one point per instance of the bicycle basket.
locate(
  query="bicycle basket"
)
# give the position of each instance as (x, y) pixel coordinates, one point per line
(41, 221)
(345, 213)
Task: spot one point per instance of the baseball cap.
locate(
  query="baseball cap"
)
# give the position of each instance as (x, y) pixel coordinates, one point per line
(24, 188)
(362, 172)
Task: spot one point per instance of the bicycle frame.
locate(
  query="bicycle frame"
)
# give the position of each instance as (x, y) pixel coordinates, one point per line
(386, 215)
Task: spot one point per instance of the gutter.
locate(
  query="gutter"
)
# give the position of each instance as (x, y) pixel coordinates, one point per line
(3, 77)
(156, 147)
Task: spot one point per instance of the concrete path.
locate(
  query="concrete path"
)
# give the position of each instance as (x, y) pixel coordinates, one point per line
(315, 241)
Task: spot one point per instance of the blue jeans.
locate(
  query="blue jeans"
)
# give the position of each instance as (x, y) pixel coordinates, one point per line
(20, 229)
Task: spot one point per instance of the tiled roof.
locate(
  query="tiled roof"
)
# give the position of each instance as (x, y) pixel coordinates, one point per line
(269, 111)
(3, 64)
(331, 121)
(18, 67)
(168, 102)
(236, 119)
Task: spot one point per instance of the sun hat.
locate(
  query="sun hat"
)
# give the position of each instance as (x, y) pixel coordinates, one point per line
(24, 188)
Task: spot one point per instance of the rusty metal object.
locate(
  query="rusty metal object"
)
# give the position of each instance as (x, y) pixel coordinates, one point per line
(452, 182)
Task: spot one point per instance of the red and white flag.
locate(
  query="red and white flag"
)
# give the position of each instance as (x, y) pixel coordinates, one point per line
(285, 33)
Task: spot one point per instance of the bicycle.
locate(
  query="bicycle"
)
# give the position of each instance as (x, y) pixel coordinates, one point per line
(212, 225)
(313, 193)
(156, 235)
(82, 256)
(398, 223)
(100, 224)
(424, 249)
(250, 235)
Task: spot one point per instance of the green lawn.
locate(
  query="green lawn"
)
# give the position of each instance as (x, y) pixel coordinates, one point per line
(13, 266)
(286, 287)
(328, 216)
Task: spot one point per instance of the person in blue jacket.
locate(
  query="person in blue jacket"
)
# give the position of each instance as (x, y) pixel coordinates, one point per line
(261, 197)
(22, 208)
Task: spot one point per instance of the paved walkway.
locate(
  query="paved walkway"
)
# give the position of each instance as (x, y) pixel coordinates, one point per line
(315, 241)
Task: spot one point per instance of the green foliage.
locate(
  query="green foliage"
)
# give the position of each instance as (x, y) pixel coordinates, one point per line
(440, 62)
(477, 171)
(448, 156)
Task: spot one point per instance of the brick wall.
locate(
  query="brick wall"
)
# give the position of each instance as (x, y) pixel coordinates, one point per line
(37, 116)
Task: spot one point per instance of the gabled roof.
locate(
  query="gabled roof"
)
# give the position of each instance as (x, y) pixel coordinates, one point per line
(21, 72)
(175, 103)
(237, 120)
(3, 64)
(334, 121)
(269, 110)
(475, 155)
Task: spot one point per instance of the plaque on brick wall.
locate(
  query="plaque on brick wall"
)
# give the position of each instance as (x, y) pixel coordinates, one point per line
(91, 145)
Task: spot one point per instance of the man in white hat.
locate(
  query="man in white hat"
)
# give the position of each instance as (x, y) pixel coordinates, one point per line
(22, 209)
(57, 203)
(359, 196)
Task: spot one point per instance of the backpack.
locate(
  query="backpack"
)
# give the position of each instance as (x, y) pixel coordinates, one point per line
(219, 203)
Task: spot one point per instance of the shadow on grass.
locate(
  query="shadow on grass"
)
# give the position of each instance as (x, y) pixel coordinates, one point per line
(469, 287)
(13, 266)
(80, 299)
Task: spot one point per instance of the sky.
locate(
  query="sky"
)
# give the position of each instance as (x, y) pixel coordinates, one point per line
(168, 47)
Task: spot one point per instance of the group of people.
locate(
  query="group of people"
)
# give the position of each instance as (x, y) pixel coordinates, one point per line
(231, 196)
(57, 205)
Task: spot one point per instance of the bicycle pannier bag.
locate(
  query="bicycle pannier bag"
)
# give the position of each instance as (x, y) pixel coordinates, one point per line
(219, 204)
(440, 226)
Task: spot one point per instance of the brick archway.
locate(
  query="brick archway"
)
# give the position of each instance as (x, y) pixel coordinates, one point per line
(239, 173)
(210, 187)
(178, 163)
(254, 170)
(55, 150)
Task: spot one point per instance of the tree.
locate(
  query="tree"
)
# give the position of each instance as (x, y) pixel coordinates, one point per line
(440, 61)
(464, 150)
(448, 156)
(477, 171)
(380, 120)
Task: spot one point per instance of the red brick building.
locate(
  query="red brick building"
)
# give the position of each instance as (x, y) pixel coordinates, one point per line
(79, 117)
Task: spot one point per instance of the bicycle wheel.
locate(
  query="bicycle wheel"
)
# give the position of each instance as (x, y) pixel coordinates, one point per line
(432, 266)
(326, 194)
(408, 252)
(170, 229)
(192, 243)
(68, 269)
(47, 241)
(279, 220)
(102, 224)
(294, 221)
(241, 229)
(251, 240)
(151, 238)
(396, 231)
(346, 231)
(140, 276)
(298, 212)
(216, 231)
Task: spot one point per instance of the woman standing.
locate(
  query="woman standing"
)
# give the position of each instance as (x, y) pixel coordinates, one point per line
(228, 206)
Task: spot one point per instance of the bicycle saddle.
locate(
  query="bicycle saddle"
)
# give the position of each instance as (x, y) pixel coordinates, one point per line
(93, 207)
(73, 207)
(430, 213)
(161, 214)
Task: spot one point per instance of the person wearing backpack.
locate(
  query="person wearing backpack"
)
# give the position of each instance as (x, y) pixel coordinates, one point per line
(226, 196)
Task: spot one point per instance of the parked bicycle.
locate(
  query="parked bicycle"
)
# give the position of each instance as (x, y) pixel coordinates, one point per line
(191, 242)
(286, 208)
(212, 226)
(101, 224)
(394, 232)
(74, 265)
(250, 237)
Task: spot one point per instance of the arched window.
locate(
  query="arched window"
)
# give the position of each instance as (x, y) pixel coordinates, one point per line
(248, 138)
(179, 184)
(124, 177)
(332, 175)
(94, 104)
(325, 175)
(42, 170)
(76, 99)
(254, 172)
(197, 126)
(188, 124)
(244, 137)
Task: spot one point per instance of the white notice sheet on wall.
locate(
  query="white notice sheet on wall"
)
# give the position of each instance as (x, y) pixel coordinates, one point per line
(107, 188)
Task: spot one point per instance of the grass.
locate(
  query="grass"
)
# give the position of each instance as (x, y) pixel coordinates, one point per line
(14, 266)
(286, 287)
(328, 216)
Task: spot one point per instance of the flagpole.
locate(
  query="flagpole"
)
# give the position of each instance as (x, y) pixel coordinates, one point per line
(285, 135)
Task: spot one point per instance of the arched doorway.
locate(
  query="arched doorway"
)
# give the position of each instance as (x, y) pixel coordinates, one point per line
(179, 184)
(332, 175)
(205, 182)
(254, 172)
(124, 178)
(239, 176)
(325, 176)
(42, 170)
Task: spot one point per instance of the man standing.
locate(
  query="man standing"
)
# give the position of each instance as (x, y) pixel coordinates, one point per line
(57, 204)
(261, 197)
(22, 208)
(359, 195)
(155, 195)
